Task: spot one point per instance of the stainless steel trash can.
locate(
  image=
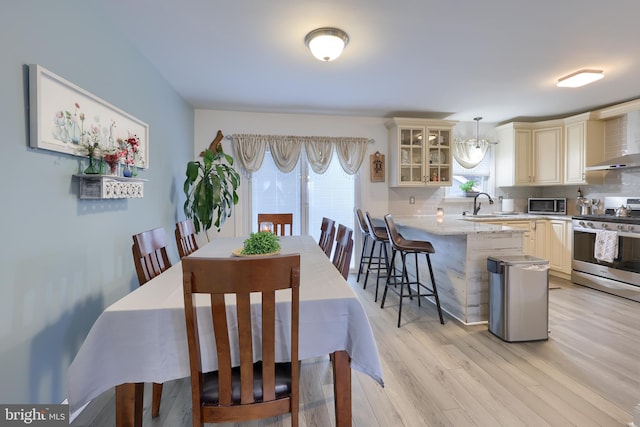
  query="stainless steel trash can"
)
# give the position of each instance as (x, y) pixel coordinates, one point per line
(518, 297)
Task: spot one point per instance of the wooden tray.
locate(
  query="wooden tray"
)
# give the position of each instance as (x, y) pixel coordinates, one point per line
(238, 252)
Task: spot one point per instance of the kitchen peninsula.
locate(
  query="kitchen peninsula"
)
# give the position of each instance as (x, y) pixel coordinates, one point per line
(460, 261)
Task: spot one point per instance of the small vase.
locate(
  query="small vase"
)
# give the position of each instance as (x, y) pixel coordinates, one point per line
(93, 167)
(113, 168)
(127, 171)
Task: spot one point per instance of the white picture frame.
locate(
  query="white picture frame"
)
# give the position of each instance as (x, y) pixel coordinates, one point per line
(62, 114)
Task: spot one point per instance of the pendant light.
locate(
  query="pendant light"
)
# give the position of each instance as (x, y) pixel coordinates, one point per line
(477, 119)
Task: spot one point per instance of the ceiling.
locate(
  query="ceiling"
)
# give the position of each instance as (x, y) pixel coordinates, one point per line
(449, 59)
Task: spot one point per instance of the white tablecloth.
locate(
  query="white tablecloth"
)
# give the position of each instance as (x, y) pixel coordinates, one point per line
(142, 337)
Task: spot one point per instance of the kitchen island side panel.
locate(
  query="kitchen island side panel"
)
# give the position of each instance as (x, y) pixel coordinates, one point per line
(460, 268)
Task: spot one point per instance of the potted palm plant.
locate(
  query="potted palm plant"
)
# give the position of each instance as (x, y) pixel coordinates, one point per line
(210, 188)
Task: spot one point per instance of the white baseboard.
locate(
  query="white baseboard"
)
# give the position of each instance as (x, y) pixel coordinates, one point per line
(74, 415)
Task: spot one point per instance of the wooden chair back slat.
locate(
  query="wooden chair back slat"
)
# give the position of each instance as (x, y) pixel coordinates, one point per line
(280, 222)
(185, 233)
(150, 254)
(241, 277)
(327, 234)
(343, 250)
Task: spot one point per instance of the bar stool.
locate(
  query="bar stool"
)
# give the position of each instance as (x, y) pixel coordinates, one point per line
(406, 247)
(378, 237)
(364, 231)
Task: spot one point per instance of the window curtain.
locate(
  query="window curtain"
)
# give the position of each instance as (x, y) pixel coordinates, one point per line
(469, 153)
(285, 151)
(249, 151)
(319, 152)
(351, 152)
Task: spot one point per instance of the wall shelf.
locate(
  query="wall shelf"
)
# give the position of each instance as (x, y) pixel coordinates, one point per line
(110, 187)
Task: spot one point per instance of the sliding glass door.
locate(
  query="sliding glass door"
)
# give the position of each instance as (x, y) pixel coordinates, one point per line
(308, 195)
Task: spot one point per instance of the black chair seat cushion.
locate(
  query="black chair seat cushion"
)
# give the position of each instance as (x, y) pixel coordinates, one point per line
(210, 393)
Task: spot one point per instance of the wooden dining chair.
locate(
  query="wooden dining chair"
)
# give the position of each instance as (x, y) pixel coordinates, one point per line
(279, 221)
(150, 258)
(344, 248)
(186, 237)
(242, 389)
(327, 234)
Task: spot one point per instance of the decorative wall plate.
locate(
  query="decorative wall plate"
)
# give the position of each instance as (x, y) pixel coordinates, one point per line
(436, 156)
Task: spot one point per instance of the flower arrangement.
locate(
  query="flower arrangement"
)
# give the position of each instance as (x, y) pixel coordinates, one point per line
(89, 145)
(113, 158)
(130, 147)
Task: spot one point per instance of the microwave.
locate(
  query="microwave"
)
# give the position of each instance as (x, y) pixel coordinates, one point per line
(547, 206)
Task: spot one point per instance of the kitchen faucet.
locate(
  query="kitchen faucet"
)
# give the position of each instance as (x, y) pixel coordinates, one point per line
(475, 199)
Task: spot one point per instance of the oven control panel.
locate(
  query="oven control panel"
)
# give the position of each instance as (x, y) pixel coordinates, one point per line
(592, 226)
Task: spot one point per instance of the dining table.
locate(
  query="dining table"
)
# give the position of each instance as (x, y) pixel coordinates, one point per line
(142, 338)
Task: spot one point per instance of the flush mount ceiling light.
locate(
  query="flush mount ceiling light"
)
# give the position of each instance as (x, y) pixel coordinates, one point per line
(326, 43)
(580, 78)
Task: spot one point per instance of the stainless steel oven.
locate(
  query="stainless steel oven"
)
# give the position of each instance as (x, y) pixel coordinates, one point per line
(622, 275)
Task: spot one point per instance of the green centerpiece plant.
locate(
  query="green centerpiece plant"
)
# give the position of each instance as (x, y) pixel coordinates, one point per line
(260, 243)
(210, 188)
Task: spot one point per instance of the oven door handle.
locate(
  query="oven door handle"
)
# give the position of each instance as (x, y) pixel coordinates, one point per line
(620, 233)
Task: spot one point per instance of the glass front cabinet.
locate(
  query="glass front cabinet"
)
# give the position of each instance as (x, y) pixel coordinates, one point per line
(419, 152)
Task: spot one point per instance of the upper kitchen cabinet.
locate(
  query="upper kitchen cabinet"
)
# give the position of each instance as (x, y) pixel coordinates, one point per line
(553, 152)
(419, 152)
(529, 154)
(583, 145)
(513, 155)
(547, 156)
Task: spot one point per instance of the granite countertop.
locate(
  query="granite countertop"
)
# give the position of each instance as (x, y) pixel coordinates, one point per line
(457, 224)
(516, 216)
(450, 225)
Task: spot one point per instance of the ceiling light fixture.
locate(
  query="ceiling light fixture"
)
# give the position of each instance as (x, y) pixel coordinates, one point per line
(478, 143)
(580, 78)
(326, 43)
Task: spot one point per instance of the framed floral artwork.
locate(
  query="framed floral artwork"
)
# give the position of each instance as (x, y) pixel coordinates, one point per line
(68, 119)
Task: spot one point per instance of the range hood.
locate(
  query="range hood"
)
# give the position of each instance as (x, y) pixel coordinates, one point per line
(622, 162)
(630, 160)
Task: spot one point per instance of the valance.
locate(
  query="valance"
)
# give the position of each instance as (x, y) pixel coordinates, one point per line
(285, 151)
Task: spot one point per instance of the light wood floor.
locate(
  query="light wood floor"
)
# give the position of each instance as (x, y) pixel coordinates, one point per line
(586, 374)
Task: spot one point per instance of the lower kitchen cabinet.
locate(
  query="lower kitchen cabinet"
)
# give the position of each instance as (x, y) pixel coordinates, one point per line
(560, 243)
(541, 238)
(549, 239)
(528, 237)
